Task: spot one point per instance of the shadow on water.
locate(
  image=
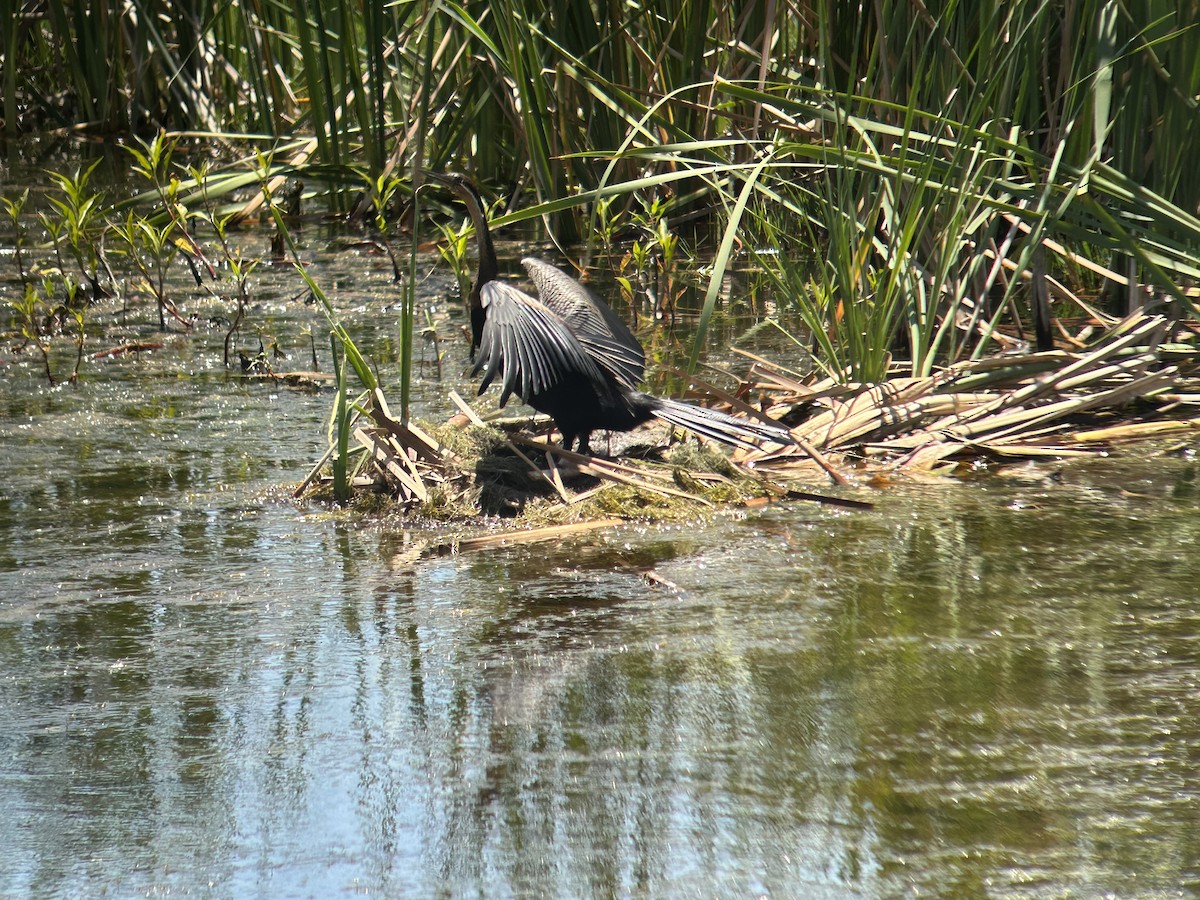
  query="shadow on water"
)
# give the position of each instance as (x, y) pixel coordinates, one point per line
(979, 689)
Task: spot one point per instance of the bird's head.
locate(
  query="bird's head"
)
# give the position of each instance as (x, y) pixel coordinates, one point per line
(463, 188)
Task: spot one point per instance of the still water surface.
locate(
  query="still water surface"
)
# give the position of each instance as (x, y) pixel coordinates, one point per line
(984, 689)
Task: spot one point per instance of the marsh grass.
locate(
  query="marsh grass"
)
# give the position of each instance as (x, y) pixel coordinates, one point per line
(340, 426)
(961, 173)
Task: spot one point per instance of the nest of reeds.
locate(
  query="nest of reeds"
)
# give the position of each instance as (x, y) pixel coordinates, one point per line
(1135, 384)
(467, 469)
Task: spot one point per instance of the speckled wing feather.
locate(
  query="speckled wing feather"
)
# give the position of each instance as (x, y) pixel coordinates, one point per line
(529, 347)
(600, 330)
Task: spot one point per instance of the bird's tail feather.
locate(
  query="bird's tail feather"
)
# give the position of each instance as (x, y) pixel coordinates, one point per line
(718, 426)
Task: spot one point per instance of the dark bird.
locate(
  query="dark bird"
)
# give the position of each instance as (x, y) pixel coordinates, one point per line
(567, 354)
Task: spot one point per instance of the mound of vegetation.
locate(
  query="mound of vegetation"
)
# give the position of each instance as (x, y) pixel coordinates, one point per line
(1140, 381)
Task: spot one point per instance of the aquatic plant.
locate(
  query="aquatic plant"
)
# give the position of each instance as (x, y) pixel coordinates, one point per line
(51, 300)
(15, 209)
(151, 248)
(76, 225)
(454, 248)
(30, 317)
(918, 180)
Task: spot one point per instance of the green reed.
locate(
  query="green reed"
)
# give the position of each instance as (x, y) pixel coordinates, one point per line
(955, 169)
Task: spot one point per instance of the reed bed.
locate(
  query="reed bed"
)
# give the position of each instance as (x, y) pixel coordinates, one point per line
(1136, 383)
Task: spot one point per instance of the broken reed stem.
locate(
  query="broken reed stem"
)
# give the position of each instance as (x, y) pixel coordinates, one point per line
(475, 420)
(526, 536)
(611, 471)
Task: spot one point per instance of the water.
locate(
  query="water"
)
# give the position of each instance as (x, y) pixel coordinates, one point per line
(979, 689)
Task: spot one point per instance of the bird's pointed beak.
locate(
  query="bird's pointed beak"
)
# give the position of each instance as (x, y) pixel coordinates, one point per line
(433, 177)
(426, 178)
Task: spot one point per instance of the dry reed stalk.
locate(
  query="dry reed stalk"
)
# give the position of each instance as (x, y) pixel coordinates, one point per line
(470, 413)
(512, 538)
(387, 456)
(608, 470)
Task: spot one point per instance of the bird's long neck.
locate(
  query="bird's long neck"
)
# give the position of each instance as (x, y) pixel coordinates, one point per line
(488, 270)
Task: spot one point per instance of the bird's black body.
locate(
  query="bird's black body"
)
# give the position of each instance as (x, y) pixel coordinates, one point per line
(567, 354)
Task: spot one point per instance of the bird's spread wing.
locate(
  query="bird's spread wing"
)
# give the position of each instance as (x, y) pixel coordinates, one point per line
(527, 345)
(600, 330)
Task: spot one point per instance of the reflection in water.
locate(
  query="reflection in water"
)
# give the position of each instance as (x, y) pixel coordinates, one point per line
(976, 690)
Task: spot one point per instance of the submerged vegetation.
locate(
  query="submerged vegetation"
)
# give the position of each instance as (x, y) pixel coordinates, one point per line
(911, 188)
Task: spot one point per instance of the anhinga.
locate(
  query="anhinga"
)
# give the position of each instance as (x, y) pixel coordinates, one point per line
(567, 354)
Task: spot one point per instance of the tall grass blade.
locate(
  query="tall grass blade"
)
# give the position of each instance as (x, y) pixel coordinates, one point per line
(341, 426)
(721, 261)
